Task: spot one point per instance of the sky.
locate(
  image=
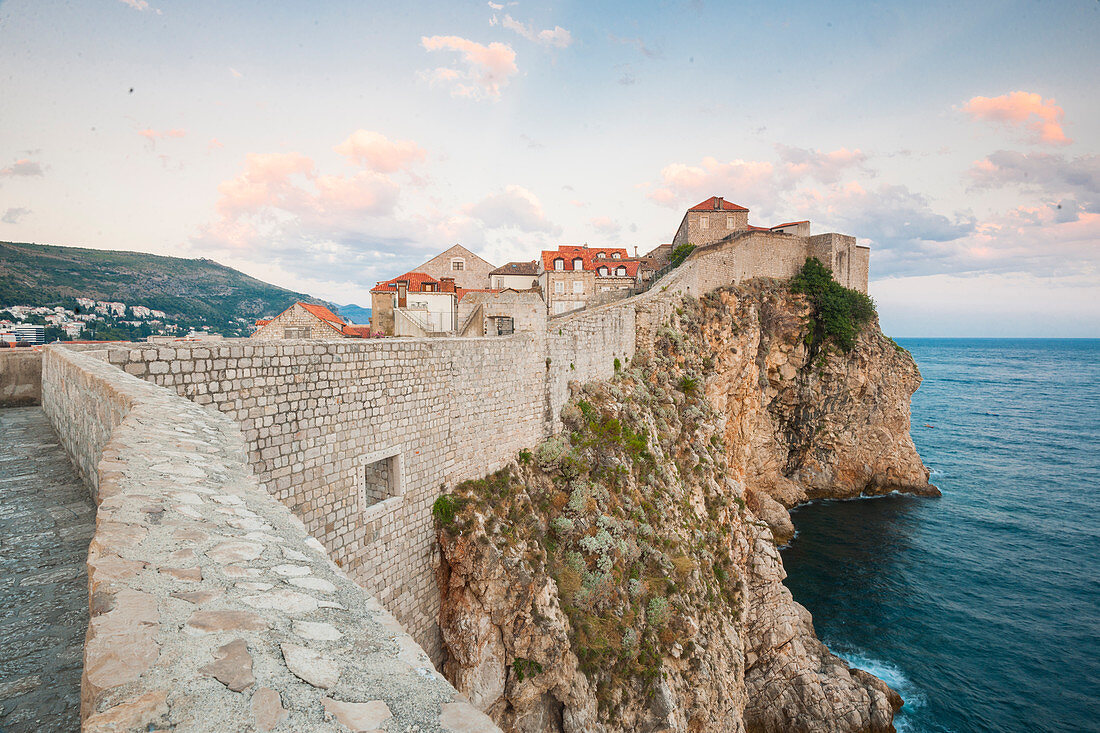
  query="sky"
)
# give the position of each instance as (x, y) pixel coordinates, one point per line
(327, 146)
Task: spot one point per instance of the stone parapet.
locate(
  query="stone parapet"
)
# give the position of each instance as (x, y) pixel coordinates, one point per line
(20, 377)
(211, 607)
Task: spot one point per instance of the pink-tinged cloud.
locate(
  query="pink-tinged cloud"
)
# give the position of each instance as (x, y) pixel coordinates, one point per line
(376, 152)
(153, 135)
(136, 4)
(681, 182)
(557, 36)
(486, 69)
(605, 225)
(21, 167)
(515, 207)
(268, 180)
(1043, 119)
(214, 144)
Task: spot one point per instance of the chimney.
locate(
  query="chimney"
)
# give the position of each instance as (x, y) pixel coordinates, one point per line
(718, 203)
(447, 284)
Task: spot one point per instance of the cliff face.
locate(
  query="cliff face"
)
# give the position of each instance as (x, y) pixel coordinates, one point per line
(625, 575)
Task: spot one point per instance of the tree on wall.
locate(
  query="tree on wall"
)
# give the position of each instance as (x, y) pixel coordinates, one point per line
(680, 254)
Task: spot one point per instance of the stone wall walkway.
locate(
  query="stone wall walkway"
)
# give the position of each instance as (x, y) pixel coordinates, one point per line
(46, 521)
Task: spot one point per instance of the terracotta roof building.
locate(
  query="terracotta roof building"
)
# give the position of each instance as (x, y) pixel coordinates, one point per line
(307, 321)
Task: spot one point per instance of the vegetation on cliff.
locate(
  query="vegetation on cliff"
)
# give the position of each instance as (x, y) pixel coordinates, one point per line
(839, 312)
(629, 511)
(624, 576)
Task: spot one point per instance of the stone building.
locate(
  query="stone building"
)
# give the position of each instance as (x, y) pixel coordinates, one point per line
(307, 321)
(515, 275)
(415, 304)
(467, 269)
(711, 221)
(573, 277)
(502, 312)
(777, 251)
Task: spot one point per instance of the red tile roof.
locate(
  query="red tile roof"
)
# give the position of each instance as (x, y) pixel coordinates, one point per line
(791, 224)
(587, 254)
(362, 332)
(323, 313)
(263, 321)
(611, 265)
(717, 203)
(416, 281)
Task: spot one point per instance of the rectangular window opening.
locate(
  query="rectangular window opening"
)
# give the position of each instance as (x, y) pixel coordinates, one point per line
(380, 479)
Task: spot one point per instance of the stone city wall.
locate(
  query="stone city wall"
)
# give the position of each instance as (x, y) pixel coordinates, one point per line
(317, 416)
(211, 608)
(20, 377)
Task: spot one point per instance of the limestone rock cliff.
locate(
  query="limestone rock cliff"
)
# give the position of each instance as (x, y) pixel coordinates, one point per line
(625, 575)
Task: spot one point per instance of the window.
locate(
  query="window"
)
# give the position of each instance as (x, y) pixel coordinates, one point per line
(298, 332)
(620, 271)
(578, 286)
(729, 222)
(704, 222)
(458, 264)
(505, 326)
(379, 478)
(603, 270)
(578, 263)
(615, 255)
(559, 287)
(428, 288)
(600, 255)
(559, 264)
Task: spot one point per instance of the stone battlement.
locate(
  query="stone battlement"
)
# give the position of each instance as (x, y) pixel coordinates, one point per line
(212, 609)
(229, 538)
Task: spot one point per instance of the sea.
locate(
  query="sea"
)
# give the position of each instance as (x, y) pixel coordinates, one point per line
(982, 608)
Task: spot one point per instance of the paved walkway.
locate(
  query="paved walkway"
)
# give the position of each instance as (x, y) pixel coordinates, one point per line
(46, 521)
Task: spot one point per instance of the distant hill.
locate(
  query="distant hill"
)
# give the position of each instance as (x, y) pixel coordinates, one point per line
(198, 290)
(354, 314)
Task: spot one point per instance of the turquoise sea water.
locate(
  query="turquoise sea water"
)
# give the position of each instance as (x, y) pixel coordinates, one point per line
(982, 607)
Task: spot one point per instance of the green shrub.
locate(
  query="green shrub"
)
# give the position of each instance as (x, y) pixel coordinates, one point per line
(525, 456)
(445, 508)
(680, 254)
(688, 385)
(618, 365)
(839, 312)
(526, 668)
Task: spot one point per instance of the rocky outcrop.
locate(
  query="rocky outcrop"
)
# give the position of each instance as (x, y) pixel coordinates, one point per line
(625, 576)
(806, 423)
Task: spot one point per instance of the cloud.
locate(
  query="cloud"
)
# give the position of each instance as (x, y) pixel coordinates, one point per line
(22, 167)
(153, 135)
(516, 208)
(605, 225)
(556, 37)
(753, 182)
(1043, 119)
(486, 69)
(824, 167)
(214, 144)
(13, 215)
(236, 74)
(136, 4)
(375, 151)
(1053, 176)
